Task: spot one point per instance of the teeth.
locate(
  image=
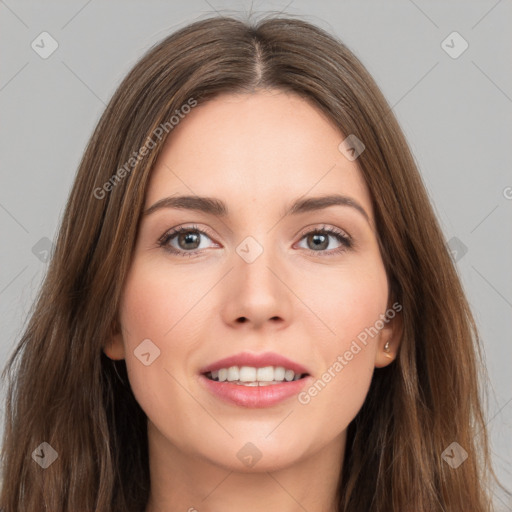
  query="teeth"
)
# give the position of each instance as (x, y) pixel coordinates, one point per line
(288, 375)
(233, 373)
(247, 374)
(265, 374)
(251, 376)
(279, 372)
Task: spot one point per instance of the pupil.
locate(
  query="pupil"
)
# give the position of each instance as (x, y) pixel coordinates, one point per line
(189, 238)
(316, 238)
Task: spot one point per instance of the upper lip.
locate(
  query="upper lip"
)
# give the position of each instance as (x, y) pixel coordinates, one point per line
(255, 360)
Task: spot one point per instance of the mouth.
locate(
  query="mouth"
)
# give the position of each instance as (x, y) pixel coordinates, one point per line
(255, 376)
(254, 380)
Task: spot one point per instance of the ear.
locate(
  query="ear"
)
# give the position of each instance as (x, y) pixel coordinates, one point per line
(114, 347)
(389, 339)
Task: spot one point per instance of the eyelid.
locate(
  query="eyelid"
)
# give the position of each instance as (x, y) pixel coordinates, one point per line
(325, 227)
(193, 227)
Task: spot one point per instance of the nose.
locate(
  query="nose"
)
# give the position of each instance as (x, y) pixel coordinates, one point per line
(257, 293)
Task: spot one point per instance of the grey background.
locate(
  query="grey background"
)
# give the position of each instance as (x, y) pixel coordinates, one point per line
(455, 112)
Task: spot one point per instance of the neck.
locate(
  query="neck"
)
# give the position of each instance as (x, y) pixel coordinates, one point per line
(182, 482)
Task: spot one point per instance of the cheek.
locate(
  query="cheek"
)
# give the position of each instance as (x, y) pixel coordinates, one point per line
(338, 391)
(353, 301)
(153, 310)
(349, 300)
(147, 309)
(155, 301)
(166, 306)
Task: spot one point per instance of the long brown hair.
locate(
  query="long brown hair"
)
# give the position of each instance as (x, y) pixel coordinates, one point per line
(64, 391)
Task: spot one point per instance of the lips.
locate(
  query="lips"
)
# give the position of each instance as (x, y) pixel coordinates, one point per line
(254, 394)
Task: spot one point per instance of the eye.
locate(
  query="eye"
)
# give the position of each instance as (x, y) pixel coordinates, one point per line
(183, 241)
(320, 238)
(186, 240)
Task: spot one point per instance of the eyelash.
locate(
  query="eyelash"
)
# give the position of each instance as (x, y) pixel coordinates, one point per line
(345, 240)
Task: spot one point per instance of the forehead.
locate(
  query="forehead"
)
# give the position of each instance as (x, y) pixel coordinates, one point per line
(263, 148)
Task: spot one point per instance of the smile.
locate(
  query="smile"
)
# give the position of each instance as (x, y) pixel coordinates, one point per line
(253, 376)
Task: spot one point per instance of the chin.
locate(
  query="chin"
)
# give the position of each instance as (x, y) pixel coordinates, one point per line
(250, 453)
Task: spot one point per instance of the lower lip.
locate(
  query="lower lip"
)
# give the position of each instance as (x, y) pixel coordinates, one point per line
(254, 396)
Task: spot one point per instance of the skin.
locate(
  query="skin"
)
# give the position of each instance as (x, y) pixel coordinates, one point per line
(257, 153)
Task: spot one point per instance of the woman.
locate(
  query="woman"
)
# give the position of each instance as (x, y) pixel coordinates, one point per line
(312, 349)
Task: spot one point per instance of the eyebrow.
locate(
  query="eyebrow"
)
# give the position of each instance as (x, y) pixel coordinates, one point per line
(216, 207)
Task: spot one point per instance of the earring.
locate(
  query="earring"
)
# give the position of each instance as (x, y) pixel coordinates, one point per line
(386, 346)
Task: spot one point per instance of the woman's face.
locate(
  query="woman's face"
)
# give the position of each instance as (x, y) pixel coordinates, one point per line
(258, 279)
